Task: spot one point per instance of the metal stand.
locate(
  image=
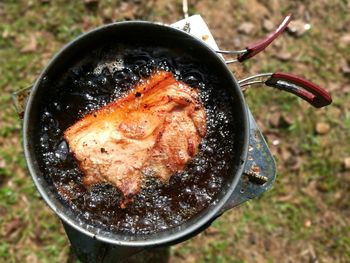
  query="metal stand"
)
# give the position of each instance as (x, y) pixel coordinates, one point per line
(90, 250)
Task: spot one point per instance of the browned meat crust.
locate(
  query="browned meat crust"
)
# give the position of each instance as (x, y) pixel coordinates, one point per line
(154, 130)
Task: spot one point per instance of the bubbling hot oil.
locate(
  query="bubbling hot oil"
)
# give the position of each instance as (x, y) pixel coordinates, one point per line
(103, 77)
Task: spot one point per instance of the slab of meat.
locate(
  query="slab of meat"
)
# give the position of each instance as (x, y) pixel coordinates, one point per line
(154, 130)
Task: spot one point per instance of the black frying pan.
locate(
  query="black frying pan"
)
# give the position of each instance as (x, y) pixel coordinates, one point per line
(149, 33)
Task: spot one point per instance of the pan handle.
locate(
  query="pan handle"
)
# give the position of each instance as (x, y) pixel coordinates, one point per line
(308, 91)
(258, 46)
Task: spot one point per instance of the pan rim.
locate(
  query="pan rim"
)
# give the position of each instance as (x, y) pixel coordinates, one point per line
(143, 241)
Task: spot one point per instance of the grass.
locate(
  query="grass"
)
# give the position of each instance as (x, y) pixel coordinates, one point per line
(305, 215)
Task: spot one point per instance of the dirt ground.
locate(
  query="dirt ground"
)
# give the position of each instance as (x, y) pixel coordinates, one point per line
(303, 218)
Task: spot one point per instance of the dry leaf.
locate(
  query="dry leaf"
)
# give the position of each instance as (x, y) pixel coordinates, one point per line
(268, 25)
(2, 162)
(298, 27)
(307, 223)
(211, 231)
(274, 119)
(246, 28)
(347, 163)
(345, 68)
(31, 45)
(344, 41)
(322, 128)
(32, 258)
(86, 23)
(12, 226)
(283, 55)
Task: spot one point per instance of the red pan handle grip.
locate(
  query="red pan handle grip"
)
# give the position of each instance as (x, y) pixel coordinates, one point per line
(259, 46)
(312, 93)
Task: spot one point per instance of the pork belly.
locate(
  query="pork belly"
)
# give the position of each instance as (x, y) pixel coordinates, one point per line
(154, 130)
